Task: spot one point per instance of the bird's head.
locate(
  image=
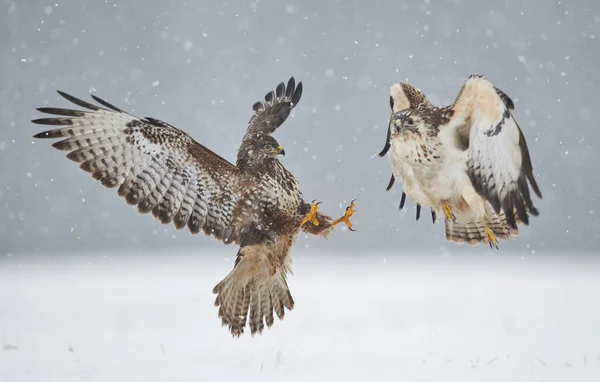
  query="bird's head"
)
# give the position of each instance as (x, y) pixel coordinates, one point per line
(259, 149)
(405, 102)
(406, 122)
(268, 147)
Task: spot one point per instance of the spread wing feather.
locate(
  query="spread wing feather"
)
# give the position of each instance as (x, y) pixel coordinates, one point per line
(276, 108)
(499, 165)
(156, 166)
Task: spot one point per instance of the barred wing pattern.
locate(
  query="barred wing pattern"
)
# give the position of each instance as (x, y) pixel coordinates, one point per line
(499, 164)
(156, 166)
(278, 105)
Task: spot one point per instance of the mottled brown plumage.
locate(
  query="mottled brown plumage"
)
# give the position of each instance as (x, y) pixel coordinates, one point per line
(256, 204)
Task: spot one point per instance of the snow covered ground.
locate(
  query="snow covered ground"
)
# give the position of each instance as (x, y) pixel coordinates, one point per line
(145, 317)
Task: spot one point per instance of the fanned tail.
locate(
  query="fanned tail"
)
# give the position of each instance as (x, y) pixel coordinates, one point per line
(472, 231)
(252, 289)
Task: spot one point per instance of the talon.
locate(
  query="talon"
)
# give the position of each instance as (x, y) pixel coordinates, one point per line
(448, 214)
(346, 218)
(490, 238)
(311, 216)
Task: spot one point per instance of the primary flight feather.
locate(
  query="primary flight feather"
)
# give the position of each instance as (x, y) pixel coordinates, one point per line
(256, 203)
(469, 160)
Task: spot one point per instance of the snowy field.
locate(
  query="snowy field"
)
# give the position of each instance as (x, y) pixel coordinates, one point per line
(143, 317)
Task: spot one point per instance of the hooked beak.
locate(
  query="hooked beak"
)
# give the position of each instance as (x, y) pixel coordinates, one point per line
(398, 125)
(280, 150)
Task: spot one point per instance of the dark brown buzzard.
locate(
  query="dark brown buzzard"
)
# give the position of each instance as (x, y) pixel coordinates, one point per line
(256, 203)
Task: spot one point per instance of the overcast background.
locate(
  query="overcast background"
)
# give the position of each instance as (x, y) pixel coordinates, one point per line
(200, 65)
(91, 290)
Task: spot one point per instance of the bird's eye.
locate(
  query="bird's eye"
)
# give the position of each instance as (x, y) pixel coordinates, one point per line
(268, 147)
(408, 122)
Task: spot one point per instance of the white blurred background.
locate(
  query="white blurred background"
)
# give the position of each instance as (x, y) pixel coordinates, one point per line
(150, 317)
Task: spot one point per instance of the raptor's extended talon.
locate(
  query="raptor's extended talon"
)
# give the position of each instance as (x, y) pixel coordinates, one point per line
(448, 214)
(490, 238)
(311, 216)
(346, 218)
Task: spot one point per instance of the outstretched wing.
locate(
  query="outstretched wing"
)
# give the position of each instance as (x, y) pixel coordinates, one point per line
(271, 114)
(499, 164)
(157, 167)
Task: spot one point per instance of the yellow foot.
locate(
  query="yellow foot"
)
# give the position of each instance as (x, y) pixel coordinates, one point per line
(346, 218)
(490, 238)
(311, 216)
(448, 214)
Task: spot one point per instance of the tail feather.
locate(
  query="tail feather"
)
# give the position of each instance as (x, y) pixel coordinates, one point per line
(254, 290)
(472, 231)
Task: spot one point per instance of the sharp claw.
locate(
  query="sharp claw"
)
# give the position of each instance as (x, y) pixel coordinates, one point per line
(349, 212)
(492, 241)
(311, 215)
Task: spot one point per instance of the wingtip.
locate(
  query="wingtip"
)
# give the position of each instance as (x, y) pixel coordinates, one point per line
(297, 94)
(40, 121)
(391, 183)
(536, 189)
(476, 76)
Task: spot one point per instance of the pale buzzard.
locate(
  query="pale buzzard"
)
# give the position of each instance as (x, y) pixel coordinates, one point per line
(468, 160)
(256, 203)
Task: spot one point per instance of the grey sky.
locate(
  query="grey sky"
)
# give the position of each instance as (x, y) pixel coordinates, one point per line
(201, 65)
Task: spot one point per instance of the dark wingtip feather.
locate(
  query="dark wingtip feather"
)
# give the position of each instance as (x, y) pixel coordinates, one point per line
(521, 210)
(269, 97)
(509, 212)
(53, 121)
(418, 212)
(108, 105)
(78, 101)
(534, 185)
(43, 134)
(387, 145)
(391, 183)
(297, 94)
(60, 111)
(280, 90)
(534, 211)
(433, 216)
(291, 86)
(385, 149)
(402, 201)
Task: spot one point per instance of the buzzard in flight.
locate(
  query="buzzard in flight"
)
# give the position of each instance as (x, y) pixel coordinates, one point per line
(256, 203)
(468, 160)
